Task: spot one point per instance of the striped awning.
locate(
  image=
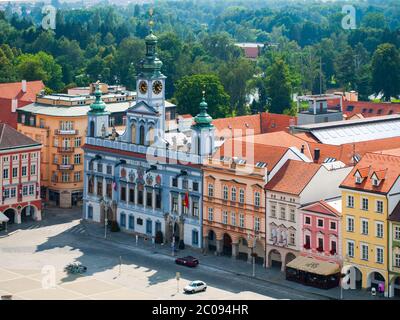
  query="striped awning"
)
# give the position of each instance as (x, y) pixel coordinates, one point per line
(315, 266)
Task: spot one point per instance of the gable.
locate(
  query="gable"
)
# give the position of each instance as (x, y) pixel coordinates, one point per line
(142, 108)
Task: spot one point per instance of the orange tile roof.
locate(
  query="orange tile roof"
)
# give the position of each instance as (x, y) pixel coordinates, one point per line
(238, 126)
(363, 172)
(14, 90)
(321, 207)
(377, 162)
(272, 122)
(293, 177)
(380, 174)
(369, 109)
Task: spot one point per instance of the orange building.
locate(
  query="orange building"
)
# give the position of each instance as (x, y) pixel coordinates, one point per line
(234, 199)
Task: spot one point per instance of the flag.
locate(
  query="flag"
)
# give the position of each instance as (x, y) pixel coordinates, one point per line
(186, 200)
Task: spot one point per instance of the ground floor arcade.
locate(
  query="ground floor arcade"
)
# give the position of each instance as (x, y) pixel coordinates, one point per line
(22, 212)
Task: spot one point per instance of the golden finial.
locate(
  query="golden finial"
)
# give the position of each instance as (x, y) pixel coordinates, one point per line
(151, 22)
(204, 91)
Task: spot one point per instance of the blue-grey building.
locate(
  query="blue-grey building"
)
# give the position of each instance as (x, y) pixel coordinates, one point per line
(146, 179)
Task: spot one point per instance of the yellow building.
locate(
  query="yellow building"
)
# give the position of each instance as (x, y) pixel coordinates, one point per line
(59, 122)
(370, 193)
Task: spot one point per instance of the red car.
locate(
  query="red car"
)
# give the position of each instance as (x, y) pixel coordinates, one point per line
(188, 261)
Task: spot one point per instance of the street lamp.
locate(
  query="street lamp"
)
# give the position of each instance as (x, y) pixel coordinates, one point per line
(253, 254)
(105, 203)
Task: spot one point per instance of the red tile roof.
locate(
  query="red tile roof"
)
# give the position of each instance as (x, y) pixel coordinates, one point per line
(251, 52)
(238, 126)
(321, 207)
(272, 122)
(11, 138)
(293, 177)
(369, 109)
(377, 162)
(363, 172)
(10, 91)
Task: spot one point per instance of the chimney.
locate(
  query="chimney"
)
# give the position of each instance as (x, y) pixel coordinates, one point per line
(23, 83)
(317, 154)
(14, 105)
(302, 148)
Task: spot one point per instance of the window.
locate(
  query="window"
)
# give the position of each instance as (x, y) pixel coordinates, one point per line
(65, 160)
(25, 191)
(31, 121)
(320, 223)
(364, 204)
(332, 225)
(149, 227)
(210, 190)
(307, 221)
(225, 192)
(210, 214)
(233, 218)
(31, 190)
(77, 159)
(350, 201)
(379, 255)
(257, 224)
(123, 220)
(397, 232)
(24, 171)
(350, 224)
(131, 223)
(23, 118)
(350, 249)
(257, 199)
(108, 188)
(13, 192)
(195, 238)
(65, 178)
(241, 196)
(14, 172)
(77, 142)
(273, 210)
(307, 241)
(111, 121)
(185, 184)
(5, 173)
(195, 186)
(233, 194)
(175, 182)
(99, 167)
(241, 220)
(122, 195)
(195, 212)
(320, 244)
(379, 230)
(109, 169)
(100, 187)
(333, 247)
(6, 193)
(90, 185)
(77, 176)
(283, 213)
(292, 238)
(397, 260)
(364, 227)
(224, 217)
(33, 169)
(379, 206)
(364, 252)
(131, 195)
(149, 197)
(175, 203)
(292, 215)
(359, 180)
(140, 195)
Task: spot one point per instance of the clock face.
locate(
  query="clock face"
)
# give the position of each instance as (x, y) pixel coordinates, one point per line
(157, 87)
(143, 87)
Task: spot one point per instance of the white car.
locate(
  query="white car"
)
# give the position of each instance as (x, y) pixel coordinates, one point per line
(195, 286)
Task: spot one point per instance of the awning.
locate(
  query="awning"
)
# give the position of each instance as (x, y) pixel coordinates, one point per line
(3, 217)
(315, 266)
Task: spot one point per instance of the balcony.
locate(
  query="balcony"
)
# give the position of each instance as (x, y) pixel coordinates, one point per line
(65, 149)
(63, 132)
(65, 167)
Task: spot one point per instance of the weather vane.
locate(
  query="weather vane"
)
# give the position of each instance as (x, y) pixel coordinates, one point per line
(204, 91)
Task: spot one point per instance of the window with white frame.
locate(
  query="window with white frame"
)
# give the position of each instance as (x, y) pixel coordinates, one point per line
(24, 172)
(210, 214)
(65, 177)
(241, 220)
(210, 190)
(233, 218)
(292, 215)
(273, 210)
(224, 217)
(257, 224)
(332, 225)
(241, 196)
(225, 192)
(364, 204)
(14, 172)
(364, 252)
(5, 173)
(350, 249)
(364, 226)
(379, 229)
(77, 159)
(320, 223)
(379, 206)
(283, 213)
(257, 199)
(397, 232)
(13, 192)
(77, 176)
(77, 142)
(31, 189)
(397, 260)
(350, 224)
(307, 220)
(292, 238)
(233, 194)
(33, 169)
(379, 255)
(25, 191)
(350, 201)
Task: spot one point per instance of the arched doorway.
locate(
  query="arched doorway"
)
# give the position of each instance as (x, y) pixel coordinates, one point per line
(212, 244)
(289, 257)
(260, 251)
(275, 259)
(142, 135)
(28, 214)
(227, 245)
(395, 287)
(243, 249)
(176, 232)
(10, 214)
(91, 129)
(374, 279)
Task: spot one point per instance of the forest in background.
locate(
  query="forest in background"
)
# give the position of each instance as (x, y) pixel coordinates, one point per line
(305, 43)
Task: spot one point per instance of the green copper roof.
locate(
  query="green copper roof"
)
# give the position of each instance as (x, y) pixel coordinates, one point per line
(203, 119)
(151, 66)
(98, 106)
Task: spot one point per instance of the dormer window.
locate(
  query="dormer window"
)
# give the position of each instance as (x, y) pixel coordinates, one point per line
(359, 180)
(375, 182)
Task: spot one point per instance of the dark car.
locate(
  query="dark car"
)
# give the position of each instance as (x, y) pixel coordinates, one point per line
(187, 261)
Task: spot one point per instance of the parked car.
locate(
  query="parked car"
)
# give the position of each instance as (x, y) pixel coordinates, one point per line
(188, 261)
(195, 286)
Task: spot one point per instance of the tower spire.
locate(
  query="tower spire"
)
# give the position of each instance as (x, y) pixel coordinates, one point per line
(98, 106)
(203, 119)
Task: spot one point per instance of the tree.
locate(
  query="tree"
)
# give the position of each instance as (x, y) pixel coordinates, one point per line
(189, 94)
(346, 68)
(279, 87)
(386, 71)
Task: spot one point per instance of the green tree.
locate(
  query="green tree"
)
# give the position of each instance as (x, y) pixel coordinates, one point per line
(279, 87)
(386, 71)
(189, 94)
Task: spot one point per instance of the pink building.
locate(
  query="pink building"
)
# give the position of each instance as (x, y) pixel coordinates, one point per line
(321, 230)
